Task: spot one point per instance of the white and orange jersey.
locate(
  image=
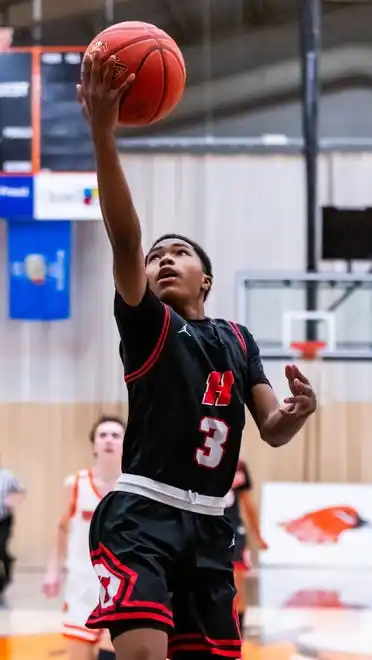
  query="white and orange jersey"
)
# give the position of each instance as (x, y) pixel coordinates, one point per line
(85, 499)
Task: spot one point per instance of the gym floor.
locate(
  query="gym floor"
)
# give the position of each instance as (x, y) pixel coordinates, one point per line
(294, 615)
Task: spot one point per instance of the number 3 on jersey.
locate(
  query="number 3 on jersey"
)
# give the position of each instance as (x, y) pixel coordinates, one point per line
(216, 431)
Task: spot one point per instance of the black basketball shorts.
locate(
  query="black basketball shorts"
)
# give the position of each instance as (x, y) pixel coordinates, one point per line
(241, 555)
(165, 568)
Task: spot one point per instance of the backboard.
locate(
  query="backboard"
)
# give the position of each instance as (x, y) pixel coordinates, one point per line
(273, 306)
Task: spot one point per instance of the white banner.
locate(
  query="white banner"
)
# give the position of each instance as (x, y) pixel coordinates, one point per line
(317, 525)
(59, 196)
(312, 614)
(307, 588)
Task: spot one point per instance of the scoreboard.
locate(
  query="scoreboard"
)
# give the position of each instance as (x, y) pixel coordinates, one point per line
(65, 143)
(41, 124)
(15, 112)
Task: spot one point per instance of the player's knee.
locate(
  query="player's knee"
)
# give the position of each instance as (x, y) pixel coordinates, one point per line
(145, 653)
(142, 652)
(141, 645)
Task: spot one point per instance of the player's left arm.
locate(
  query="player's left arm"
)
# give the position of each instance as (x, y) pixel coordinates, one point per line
(247, 505)
(277, 423)
(249, 513)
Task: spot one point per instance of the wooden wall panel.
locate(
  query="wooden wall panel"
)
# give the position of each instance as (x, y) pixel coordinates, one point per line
(44, 443)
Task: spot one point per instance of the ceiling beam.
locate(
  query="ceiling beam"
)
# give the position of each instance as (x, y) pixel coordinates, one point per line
(266, 87)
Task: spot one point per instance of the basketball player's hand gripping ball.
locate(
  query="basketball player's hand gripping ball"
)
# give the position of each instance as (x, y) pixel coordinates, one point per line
(127, 53)
(303, 400)
(99, 101)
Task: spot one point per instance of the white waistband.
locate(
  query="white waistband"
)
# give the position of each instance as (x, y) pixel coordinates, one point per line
(180, 499)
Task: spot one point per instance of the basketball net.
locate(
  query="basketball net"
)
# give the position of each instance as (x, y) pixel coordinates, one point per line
(310, 352)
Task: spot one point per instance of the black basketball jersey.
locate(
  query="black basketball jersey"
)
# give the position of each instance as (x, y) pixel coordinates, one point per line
(187, 383)
(242, 482)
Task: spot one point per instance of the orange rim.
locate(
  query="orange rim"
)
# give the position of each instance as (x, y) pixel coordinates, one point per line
(308, 350)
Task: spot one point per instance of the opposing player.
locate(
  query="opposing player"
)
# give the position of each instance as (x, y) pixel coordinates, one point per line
(82, 493)
(242, 513)
(160, 544)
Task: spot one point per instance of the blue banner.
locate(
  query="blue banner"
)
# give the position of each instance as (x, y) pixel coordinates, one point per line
(16, 197)
(39, 255)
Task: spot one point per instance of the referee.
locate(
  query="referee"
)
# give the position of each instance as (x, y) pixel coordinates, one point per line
(12, 493)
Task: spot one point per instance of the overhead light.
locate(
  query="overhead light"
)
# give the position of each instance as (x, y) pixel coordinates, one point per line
(350, 2)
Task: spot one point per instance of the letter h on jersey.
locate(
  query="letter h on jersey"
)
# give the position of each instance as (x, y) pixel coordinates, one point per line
(218, 390)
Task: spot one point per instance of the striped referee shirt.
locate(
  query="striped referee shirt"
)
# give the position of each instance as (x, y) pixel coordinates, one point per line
(8, 484)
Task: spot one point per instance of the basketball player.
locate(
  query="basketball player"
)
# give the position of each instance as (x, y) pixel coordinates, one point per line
(82, 493)
(160, 543)
(242, 513)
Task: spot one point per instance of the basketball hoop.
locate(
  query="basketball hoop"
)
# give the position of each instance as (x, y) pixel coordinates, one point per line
(308, 350)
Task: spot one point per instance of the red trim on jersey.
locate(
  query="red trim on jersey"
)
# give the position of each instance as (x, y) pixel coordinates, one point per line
(189, 643)
(122, 603)
(74, 498)
(81, 634)
(228, 648)
(77, 638)
(204, 648)
(150, 362)
(120, 616)
(186, 637)
(80, 629)
(93, 485)
(237, 622)
(239, 335)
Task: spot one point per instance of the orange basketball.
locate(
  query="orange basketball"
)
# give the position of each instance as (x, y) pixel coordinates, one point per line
(156, 60)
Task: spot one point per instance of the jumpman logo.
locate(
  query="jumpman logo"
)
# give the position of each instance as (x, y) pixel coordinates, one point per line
(185, 330)
(232, 543)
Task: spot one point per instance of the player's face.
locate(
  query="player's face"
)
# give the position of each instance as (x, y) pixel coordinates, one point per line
(108, 440)
(175, 272)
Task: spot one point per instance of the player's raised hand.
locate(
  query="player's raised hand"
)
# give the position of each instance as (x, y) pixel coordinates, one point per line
(100, 103)
(303, 400)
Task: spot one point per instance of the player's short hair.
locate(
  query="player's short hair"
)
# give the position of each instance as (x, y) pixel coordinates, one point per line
(205, 260)
(102, 420)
